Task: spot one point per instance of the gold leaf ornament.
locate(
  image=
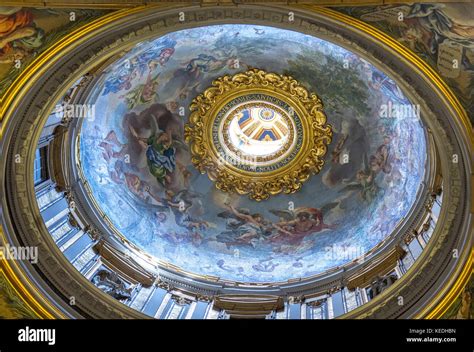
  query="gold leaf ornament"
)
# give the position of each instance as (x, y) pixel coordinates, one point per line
(257, 133)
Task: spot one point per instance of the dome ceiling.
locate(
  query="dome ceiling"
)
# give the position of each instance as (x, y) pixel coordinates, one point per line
(140, 169)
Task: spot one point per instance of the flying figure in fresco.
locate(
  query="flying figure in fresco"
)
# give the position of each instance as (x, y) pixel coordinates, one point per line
(188, 79)
(114, 153)
(145, 93)
(110, 144)
(142, 190)
(381, 160)
(243, 228)
(160, 151)
(157, 54)
(352, 145)
(122, 76)
(365, 184)
(156, 147)
(365, 181)
(180, 204)
(161, 157)
(295, 225)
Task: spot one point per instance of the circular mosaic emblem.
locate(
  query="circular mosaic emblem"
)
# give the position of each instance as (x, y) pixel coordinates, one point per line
(257, 133)
(261, 134)
(266, 114)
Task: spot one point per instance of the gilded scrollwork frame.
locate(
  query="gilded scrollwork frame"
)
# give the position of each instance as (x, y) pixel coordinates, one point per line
(286, 179)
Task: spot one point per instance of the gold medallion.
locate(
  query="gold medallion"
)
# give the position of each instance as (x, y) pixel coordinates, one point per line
(257, 133)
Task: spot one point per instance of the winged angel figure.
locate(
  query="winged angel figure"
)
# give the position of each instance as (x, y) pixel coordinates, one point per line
(244, 228)
(295, 225)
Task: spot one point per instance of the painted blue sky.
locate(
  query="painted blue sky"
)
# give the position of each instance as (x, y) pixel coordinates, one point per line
(362, 201)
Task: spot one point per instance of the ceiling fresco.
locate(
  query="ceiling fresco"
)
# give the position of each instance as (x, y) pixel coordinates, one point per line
(441, 34)
(139, 168)
(27, 32)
